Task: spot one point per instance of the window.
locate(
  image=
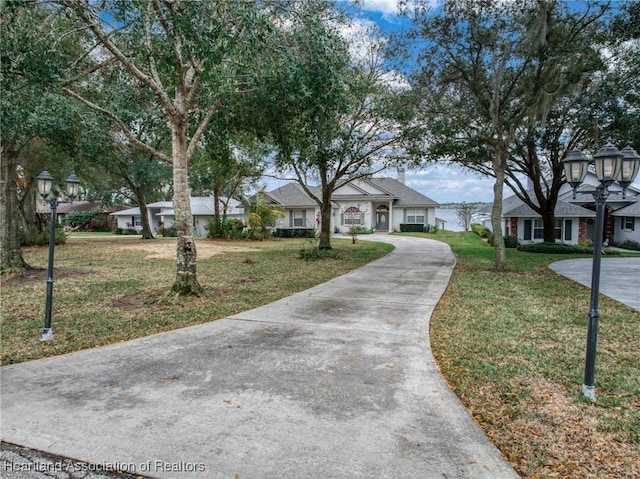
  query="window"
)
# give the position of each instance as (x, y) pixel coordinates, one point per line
(538, 229)
(297, 218)
(557, 229)
(137, 221)
(352, 216)
(415, 215)
(628, 223)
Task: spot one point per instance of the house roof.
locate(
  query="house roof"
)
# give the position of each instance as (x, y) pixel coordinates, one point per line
(632, 209)
(513, 207)
(64, 208)
(404, 195)
(292, 195)
(200, 206)
(128, 212)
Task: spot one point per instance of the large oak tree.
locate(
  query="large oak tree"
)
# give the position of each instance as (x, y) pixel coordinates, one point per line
(492, 77)
(189, 55)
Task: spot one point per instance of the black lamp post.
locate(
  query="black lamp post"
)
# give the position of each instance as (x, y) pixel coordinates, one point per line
(611, 165)
(45, 184)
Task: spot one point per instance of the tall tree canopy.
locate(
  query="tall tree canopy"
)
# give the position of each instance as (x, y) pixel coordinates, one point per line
(36, 121)
(353, 119)
(188, 56)
(494, 76)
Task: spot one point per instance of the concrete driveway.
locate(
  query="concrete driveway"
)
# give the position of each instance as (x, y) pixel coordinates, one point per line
(334, 382)
(619, 277)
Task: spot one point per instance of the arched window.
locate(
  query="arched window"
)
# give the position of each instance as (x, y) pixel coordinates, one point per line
(352, 216)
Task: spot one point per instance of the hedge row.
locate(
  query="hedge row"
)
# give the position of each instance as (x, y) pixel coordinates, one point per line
(295, 233)
(559, 248)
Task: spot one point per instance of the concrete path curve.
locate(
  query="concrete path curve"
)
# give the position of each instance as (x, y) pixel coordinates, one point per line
(619, 277)
(334, 382)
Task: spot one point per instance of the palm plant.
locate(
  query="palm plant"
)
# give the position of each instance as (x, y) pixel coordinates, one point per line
(260, 214)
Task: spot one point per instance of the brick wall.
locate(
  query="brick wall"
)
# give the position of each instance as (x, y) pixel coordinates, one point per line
(582, 230)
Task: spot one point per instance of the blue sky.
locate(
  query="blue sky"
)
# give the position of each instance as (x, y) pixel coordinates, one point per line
(442, 183)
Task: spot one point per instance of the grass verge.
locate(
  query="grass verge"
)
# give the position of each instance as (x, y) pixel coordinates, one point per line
(109, 289)
(512, 345)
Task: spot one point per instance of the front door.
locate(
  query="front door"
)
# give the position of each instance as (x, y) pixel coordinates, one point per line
(382, 221)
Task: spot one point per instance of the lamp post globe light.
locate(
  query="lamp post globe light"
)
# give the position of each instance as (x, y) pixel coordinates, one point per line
(45, 186)
(611, 165)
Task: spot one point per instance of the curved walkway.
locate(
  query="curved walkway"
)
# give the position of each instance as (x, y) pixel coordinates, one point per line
(334, 382)
(619, 277)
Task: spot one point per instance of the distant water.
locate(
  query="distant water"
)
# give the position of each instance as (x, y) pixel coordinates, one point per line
(451, 218)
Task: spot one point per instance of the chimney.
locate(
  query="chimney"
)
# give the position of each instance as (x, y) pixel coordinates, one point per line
(401, 175)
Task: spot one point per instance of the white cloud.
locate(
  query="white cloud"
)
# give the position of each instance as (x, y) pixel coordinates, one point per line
(384, 6)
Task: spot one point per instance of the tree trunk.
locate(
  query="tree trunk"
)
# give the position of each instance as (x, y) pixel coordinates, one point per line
(325, 219)
(28, 207)
(11, 252)
(499, 166)
(549, 224)
(216, 208)
(186, 278)
(144, 215)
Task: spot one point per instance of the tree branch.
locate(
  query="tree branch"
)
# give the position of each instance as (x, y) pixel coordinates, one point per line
(123, 126)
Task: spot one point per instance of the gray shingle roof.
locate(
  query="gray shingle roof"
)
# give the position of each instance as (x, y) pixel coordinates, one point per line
(513, 206)
(632, 209)
(405, 196)
(292, 195)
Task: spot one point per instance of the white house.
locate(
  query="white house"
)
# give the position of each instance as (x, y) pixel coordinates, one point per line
(161, 213)
(379, 203)
(575, 217)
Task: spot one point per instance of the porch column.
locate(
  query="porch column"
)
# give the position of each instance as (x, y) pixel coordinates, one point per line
(390, 226)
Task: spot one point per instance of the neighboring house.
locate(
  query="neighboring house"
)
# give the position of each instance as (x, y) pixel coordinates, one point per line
(102, 219)
(378, 203)
(575, 217)
(161, 213)
(621, 214)
(626, 223)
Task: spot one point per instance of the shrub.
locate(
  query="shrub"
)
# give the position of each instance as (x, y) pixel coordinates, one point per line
(315, 254)
(82, 220)
(361, 230)
(117, 231)
(35, 237)
(412, 228)
(432, 229)
(130, 231)
(295, 233)
(510, 242)
(480, 230)
(628, 244)
(171, 231)
(230, 228)
(559, 248)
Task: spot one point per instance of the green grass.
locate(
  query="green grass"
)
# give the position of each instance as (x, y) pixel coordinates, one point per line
(512, 346)
(112, 289)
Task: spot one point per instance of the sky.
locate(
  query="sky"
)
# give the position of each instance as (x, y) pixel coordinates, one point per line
(441, 183)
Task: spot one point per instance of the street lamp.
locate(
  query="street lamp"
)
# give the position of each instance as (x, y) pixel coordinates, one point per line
(45, 185)
(611, 165)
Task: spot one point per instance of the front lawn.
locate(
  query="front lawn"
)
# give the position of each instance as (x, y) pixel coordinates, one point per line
(113, 289)
(512, 347)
